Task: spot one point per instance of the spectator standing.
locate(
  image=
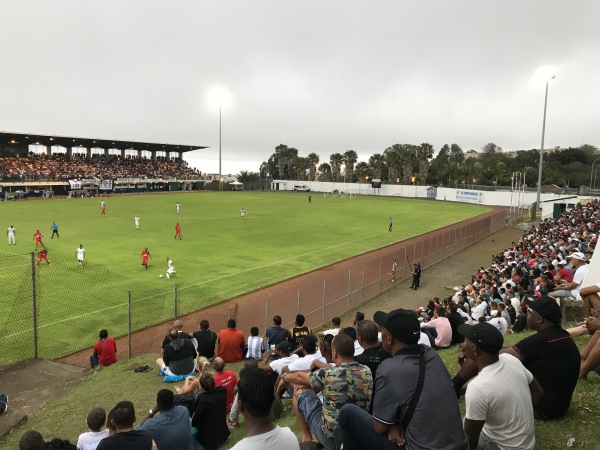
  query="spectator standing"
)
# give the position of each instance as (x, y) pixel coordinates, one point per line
(96, 419)
(105, 351)
(256, 396)
(230, 343)
(206, 340)
(172, 429)
(494, 417)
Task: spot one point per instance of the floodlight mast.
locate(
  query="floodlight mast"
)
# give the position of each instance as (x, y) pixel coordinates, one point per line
(539, 186)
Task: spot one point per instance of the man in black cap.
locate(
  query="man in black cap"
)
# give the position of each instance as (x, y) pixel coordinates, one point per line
(497, 417)
(550, 355)
(391, 425)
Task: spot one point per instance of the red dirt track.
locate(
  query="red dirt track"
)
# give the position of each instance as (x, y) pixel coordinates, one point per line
(323, 293)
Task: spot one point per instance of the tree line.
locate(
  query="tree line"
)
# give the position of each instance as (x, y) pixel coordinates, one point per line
(416, 164)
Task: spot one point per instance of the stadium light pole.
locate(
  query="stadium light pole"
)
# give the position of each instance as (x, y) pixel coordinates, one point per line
(221, 98)
(539, 186)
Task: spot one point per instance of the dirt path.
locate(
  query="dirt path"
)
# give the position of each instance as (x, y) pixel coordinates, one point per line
(436, 280)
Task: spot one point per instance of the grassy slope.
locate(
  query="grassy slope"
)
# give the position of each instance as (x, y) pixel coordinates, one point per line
(220, 256)
(66, 418)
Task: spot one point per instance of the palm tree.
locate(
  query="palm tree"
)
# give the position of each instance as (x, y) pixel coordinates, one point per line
(424, 153)
(336, 160)
(376, 163)
(350, 158)
(362, 171)
(325, 170)
(313, 162)
(392, 160)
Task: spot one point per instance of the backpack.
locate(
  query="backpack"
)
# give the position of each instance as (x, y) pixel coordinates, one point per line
(512, 313)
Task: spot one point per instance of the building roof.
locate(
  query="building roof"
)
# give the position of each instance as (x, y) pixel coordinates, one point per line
(7, 139)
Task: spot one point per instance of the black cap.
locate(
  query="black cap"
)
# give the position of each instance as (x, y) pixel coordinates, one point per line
(284, 347)
(402, 324)
(545, 307)
(485, 336)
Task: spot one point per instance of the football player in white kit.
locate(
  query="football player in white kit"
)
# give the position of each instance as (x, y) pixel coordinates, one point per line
(80, 255)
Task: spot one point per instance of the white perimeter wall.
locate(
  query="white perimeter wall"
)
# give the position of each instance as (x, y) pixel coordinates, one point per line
(491, 198)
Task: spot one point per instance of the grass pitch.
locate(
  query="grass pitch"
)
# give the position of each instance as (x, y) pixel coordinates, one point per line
(220, 256)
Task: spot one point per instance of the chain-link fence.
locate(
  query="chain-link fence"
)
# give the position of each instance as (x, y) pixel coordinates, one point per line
(57, 310)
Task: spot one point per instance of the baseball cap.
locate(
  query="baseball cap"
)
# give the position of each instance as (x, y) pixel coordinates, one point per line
(546, 307)
(577, 255)
(284, 346)
(485, 336)
(402, 324)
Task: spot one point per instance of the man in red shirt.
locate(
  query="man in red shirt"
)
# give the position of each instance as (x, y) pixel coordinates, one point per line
(177, 231)
(37, 236)
(145, 256)
(225, 378)
(42, 256)
(231, 342)
(562, 274)
(105, 351)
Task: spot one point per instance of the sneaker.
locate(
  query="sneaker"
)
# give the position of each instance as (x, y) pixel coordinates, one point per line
(3, 403)
(232, 425)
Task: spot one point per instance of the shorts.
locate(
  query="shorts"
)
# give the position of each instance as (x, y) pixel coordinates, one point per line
(311, 408)
(562, 294)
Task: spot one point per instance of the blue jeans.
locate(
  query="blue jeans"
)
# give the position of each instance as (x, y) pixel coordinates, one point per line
(358, 432)
(311, 408)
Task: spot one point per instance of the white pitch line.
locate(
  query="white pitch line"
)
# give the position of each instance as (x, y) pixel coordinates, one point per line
(186, 287)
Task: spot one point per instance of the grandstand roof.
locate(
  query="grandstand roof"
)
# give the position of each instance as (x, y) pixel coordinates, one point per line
(7, 139)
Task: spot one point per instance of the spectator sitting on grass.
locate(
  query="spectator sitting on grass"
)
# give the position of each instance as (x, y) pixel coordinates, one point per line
(95, 421)
(59, 444)
(276, 333)
(256, 346)
(256, 397)
(126, 437)
(210, 416)
(31, 440)
(438, 329)
(206, 340)
(284, 358)
(105, 351)
(225, 378)
(335, 328)
(351, 331)
(172, 429)
(231, 343)
(192, 383)
(178, 356)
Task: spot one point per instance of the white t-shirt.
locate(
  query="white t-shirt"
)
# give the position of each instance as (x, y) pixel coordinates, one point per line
(305, 362)
(332, 331)
(170, 268)
(358, 350)
(280, 363)
(500, 324)
(91, 439)
(508, 413)
(479, 310)
(11, 231)
(276, 439)
(136, 219)
(578, 277)
(80, 253)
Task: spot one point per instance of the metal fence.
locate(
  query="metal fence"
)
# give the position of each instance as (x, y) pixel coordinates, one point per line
(57, 311)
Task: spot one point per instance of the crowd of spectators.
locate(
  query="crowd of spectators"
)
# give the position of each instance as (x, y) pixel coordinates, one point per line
(58, 167)
(380, 383)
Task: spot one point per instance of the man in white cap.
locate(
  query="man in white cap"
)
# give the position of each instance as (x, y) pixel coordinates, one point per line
(571, 290)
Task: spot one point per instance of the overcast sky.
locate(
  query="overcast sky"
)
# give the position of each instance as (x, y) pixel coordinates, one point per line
(320, 76)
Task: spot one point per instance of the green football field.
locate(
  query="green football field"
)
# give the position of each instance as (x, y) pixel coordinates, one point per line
(221, 254)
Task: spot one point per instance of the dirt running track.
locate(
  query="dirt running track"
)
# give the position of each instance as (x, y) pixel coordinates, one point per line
(323, 293)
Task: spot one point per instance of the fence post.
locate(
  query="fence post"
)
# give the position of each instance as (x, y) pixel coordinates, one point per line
(266, 315)
(324, 290)
(363, 285)
(128, 324)
(349, 274)
(34, 307)
(175, 295)
(380, 276)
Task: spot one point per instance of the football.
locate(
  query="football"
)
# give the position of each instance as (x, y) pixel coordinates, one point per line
(160, 276)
